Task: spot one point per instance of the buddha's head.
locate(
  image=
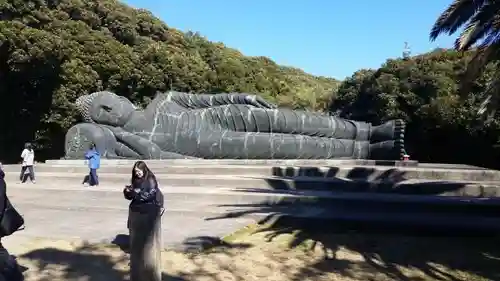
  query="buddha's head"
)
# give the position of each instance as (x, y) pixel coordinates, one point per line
(105, 108)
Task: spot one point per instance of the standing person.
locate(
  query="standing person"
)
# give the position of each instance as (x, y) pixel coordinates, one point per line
(144, 223)
(144, 193)
(9, 269)
(28, 156)
(94, 161)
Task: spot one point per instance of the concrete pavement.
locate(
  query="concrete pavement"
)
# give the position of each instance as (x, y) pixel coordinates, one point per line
(99, 215)
(58, 206)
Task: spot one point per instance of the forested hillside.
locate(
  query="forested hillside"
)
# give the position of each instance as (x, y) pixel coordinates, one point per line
(52, 51)
(423, 90)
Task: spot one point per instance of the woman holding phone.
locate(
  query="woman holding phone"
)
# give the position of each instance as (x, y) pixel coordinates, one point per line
(144, 221)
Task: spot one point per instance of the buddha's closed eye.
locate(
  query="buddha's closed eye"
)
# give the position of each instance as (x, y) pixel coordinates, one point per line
(107, 108)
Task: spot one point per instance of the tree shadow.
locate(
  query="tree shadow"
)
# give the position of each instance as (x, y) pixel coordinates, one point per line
(368, 179)
(122, 241)
(209, 243)
(392, 250)
(196, 244)
(92, 262)
(384, 194)
(433, 227)
(385, 251)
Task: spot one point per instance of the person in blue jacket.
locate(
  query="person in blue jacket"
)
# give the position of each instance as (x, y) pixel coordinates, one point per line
(94, 160)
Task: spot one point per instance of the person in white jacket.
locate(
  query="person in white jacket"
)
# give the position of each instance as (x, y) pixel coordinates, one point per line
(28, 156)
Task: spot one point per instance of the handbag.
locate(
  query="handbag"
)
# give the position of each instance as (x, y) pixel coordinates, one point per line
(11, 220)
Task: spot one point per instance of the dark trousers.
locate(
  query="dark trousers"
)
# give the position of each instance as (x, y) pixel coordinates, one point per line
(93, 178)
(145, 244)
(31, 173)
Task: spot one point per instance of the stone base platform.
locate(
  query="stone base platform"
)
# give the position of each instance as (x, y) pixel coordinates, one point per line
(214, 197)
(294, 162)
(358, 175)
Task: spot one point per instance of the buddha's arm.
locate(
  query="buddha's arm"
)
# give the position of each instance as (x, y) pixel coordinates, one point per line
(197, 101)
(81, 135)
(144, 147)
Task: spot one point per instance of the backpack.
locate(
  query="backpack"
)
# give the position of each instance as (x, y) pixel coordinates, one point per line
(11, 221)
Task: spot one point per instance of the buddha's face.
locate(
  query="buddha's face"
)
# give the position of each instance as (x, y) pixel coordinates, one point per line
(105, 108)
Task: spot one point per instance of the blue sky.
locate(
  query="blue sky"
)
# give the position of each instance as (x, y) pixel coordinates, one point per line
(330, 38)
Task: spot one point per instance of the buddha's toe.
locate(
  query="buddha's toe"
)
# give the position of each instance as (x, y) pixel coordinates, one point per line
(388, 150)
(391, 130)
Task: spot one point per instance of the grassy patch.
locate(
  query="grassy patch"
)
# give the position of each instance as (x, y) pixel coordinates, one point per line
(377, 256)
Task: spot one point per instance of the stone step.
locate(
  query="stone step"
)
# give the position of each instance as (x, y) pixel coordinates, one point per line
(191, 198)
(413, 186)
(351, 172)
(246, 162)
(446, 221)
(98, 214)
(87, 222)
(103, 225)
(223, 201)
(390, 224)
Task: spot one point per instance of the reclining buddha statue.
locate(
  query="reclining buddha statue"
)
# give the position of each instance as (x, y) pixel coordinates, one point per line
(230, 125)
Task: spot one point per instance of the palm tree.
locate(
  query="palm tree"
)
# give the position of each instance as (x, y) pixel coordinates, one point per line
(481, 19)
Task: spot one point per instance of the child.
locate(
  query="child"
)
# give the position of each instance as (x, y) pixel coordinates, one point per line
(94, 160)
(28, 156)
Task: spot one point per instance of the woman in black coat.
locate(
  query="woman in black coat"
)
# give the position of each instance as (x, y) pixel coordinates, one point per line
(144, 193)
(9, 269)
(3, 192)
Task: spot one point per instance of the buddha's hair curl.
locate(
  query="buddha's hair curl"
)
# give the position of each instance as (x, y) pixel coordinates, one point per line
(83, 104)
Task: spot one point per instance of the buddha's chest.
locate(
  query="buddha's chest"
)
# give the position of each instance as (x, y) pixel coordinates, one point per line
(156, 128)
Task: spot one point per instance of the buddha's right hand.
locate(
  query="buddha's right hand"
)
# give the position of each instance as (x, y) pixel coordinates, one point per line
(80, 136)
(145, 148)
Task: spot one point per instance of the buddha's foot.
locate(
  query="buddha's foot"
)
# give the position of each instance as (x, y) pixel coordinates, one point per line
(391, 130)
(387, 150)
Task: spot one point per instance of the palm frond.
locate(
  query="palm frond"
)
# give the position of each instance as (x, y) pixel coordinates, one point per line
(457, 14)
(483, 56)
(482, 20)
(489, 105)
(479, 26)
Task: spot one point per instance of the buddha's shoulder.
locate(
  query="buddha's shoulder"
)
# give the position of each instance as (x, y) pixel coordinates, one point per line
(170, 95)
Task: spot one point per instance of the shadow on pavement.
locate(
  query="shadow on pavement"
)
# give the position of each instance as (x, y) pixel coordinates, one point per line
(392, 248)
(87, 262)
(107, 263)
(389, 249)
(365, 179)
(123, 242)
(209, 243)
(189, 245)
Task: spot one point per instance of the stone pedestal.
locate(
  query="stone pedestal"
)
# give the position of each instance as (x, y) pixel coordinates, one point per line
(145, 246)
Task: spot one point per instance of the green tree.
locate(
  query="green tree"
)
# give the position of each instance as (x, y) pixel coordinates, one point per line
(480, 19)
(424, 91)
(52, 52)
